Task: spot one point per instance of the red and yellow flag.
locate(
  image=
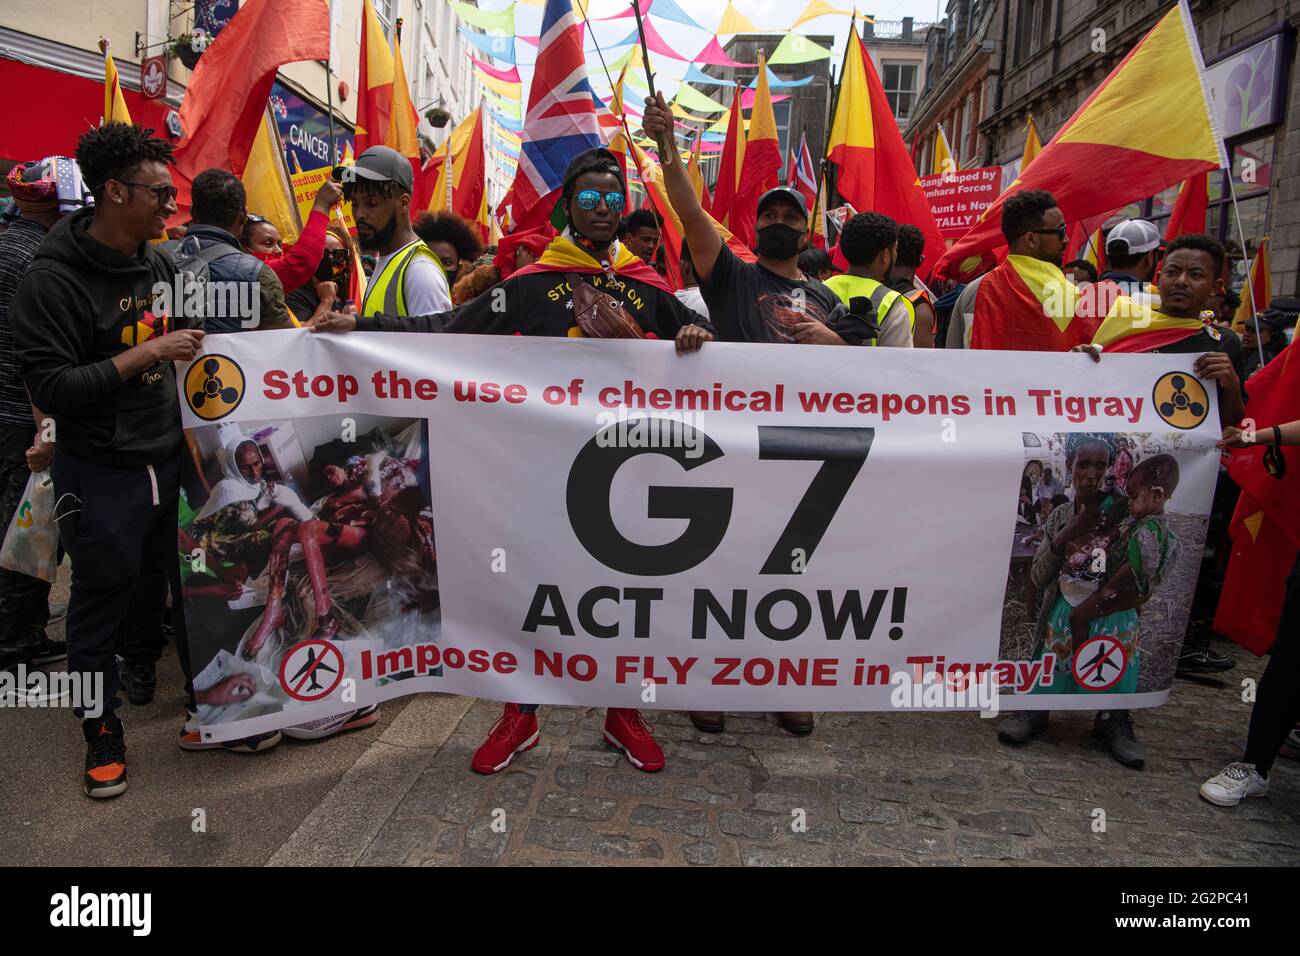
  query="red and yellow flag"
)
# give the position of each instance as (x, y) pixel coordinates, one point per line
(875, 171)
(1133, 326)
(1261, 284)
(696, 172)
(761, 170)
(1033, 145)
(1027, 305)
(402, 122)
(733, 160)
(1190, 208)
(459, 185)
(943, 161)
(374, 83)
(1265, 528)
(673, 233)
(267, 183)
(115, 110)
(226, 98)
(819, 215)
(1150, 124)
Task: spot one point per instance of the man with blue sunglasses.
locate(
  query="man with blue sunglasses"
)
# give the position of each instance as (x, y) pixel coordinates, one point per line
(586, 284)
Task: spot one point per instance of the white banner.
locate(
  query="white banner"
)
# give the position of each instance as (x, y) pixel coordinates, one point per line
(749, 528)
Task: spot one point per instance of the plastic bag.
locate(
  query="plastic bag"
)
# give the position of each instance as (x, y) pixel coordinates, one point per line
(31, 544)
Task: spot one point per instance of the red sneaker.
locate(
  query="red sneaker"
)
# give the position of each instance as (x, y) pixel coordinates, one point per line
(627, 730)
(514, 733)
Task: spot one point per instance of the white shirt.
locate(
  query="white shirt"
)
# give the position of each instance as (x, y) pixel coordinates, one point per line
(425, 289)
(693, 300)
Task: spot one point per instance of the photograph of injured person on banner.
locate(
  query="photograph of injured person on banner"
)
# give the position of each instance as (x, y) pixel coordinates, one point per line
(299, 538)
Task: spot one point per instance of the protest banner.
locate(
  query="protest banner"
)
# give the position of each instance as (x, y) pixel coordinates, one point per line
(957, 198)
(747, 528)
(307, 184)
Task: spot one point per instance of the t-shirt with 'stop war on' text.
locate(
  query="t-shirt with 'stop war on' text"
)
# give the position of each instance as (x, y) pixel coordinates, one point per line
(748, 303)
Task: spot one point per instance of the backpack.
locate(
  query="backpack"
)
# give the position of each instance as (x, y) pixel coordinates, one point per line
(194, 264)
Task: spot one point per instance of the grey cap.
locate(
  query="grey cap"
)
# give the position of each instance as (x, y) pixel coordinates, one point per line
(1132, 237)
(782, 192)
(381, 164)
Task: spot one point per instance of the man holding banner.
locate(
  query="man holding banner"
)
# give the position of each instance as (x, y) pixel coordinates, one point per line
(569, 292)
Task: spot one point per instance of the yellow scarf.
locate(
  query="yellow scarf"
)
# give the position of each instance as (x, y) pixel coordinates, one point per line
(1128, 318)
(564, 253)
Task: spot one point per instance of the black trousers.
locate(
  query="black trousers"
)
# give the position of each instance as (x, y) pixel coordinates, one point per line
(111, 521)
(1277, 702)
(140, 640)
(24, 601)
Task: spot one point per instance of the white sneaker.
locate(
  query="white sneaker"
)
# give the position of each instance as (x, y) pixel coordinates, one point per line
(1235, 783)
(336, 724)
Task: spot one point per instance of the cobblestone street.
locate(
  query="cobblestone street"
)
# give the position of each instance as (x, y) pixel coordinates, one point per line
(873, 789)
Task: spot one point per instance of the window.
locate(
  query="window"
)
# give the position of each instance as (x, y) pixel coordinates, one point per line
(1251, 171)
(386, 10)
(900, 87)
(1031, 27)
(781, 113)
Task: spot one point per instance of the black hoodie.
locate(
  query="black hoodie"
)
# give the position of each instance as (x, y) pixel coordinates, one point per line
(80, 304)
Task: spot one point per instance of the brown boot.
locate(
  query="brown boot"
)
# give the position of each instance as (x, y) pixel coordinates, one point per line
(709, 721)
(799, 723)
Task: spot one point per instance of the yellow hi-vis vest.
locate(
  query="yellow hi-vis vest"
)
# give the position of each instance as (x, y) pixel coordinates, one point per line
(385, 294)
(882, 297)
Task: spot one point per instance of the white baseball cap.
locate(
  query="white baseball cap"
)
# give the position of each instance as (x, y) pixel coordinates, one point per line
(1132, 237)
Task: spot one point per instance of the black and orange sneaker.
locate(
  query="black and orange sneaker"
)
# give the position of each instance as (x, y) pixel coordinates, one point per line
(191, 739)
(105, 757)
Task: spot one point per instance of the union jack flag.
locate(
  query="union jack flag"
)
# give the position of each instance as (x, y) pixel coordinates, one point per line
(803, 176)
(564, 117)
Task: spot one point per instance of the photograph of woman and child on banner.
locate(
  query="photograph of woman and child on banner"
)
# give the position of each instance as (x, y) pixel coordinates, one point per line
(315, 529)
(1105, 558)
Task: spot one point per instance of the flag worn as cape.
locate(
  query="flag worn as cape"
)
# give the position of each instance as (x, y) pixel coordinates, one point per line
(1132, 326)
(565, 255)
(1026, 305)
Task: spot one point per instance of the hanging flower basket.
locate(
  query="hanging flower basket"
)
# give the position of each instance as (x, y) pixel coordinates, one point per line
(437, 117)
(188, 48)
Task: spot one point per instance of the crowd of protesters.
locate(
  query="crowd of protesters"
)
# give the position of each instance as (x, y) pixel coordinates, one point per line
(88, 387)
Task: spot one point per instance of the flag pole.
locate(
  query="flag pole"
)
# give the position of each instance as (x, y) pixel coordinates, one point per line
(835, 99)
(1250, 268)
(631, 144)
(329, 99)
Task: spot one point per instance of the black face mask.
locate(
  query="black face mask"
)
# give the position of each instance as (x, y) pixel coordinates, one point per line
(329, 270)
(779, 241)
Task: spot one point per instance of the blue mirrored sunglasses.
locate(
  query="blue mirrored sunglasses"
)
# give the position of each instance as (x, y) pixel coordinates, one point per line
(590, 199)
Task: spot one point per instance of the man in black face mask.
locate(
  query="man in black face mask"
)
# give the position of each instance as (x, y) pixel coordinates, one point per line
(767, 301)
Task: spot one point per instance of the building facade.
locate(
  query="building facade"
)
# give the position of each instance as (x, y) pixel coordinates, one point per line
(957, 85)
(899, 50)
(50, 48)
(1032, 57)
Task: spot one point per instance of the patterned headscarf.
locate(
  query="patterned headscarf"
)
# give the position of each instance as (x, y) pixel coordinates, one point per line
(1075, 440)
(34, 186)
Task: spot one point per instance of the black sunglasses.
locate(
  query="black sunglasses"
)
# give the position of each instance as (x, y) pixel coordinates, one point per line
(162, 192)
(255, 218)
(1060, 232)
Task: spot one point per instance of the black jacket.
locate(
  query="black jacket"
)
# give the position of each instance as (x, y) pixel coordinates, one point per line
(80, 304)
